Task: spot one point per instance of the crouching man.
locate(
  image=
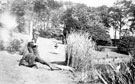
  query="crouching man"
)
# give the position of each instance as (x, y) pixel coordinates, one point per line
(29, 58)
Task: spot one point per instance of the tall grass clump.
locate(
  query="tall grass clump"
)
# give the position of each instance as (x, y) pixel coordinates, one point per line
(121, 73)
(80, 52)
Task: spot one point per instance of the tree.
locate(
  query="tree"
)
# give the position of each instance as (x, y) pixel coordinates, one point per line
(33, 13)
(18, 9)
(70, 22)
(56, 17)
(81, 17)
(132, 19)
(117, 19)
(81, 13)
(98, 33)
(104, 14)
(43, 10)
(119, 15)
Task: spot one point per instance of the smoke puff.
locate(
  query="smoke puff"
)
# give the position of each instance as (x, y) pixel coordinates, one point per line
(8, 21)
(5, 36)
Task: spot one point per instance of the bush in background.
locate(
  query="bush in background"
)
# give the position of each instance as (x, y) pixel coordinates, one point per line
(51, 33)
(115, 42)
(79, 53)
(103, 42)
(1, 45)
(127, 45)
(14, 46)
(45, 34)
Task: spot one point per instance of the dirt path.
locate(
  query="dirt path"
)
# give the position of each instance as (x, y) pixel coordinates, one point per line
(11, 73)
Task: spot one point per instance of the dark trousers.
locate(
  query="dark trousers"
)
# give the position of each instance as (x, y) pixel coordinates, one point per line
(40, 60)
(34, 50)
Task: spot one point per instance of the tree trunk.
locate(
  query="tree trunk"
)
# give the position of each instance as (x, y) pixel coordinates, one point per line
(115, 37)
(31, 28)
(115, 34)
(120, 30)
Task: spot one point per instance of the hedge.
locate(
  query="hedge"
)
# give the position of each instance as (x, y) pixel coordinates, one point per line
(127, 45)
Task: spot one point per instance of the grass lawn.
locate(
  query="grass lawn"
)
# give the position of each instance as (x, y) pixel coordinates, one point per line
(110, 54)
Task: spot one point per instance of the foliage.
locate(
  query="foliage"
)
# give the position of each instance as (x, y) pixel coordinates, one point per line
(33, 11)
(79, 53)
(80, 47)
(127, 45)
(98, 33)
(18, 7)
(43, 8)
(52, 33)
(70, 22)
(122, 73)
(116, 19)
(54, 4)
(2, 45)
(89, 19)
(14, 46)
(56, 17)
(45, 34)
(120, 14)
(132, 20)
(112, 73)
(81, 12)
(104, 43)
(90, 15)
(21, 25)
(115, 42)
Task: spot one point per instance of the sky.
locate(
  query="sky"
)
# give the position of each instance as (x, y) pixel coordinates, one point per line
(93, 3)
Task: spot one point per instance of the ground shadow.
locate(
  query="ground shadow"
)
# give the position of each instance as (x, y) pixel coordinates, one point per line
(53, 53)
(59, 63)
(114, 49)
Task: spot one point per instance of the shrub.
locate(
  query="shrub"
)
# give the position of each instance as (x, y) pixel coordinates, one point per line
(127, 45)
(51, 33)
(115, 42)
(98, 34)
(103, 42)
(80, 52)
(1, 45)
(14, 46)
(45, 34)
